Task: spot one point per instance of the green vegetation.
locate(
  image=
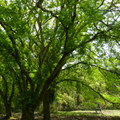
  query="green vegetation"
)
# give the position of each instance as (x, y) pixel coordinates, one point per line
(59, 55)
(89, 113)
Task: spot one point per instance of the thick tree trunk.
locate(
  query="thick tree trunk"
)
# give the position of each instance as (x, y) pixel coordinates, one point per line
(7, 110)
(46, 107)
(27, 113)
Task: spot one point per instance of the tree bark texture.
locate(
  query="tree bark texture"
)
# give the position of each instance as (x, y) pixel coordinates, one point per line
(27, 113)
(46, 106)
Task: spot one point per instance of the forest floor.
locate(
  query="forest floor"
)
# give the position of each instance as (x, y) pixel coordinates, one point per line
(88, 115)
(77, 115)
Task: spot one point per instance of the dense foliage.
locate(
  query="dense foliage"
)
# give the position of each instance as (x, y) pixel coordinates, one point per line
(46, 44)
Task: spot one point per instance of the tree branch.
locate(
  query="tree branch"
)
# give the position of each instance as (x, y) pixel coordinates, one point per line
(16, 55)
(101, 4)
(52, 77)
(5, 86)
(84, 84)
(48, 11)
(12, 92)
(85, 63)
(1, 93)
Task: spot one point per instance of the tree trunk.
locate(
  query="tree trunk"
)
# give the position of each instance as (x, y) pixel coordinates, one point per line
(7, 109)
(27, 113)
(78, 100)
(46, 107)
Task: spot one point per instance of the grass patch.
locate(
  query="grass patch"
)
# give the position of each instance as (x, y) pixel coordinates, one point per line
(88, 113)
(13, 118)
(76, 113)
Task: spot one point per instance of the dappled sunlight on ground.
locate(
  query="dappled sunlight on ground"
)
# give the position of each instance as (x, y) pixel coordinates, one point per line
(91, 112)
(111, 112)
(77, 115)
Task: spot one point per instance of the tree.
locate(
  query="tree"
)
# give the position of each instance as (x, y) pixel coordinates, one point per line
(94, 85)
(7, 99)
(7, 86)
(43, 36)
(48, 98)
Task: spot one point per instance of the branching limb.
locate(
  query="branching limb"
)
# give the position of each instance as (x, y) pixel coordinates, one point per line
(1, 93)
(16, 54)
(5, 86)
(101, 4)
(52, 77)
(45, 10)
(12, 92)
(89, 87)
(93, 65)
